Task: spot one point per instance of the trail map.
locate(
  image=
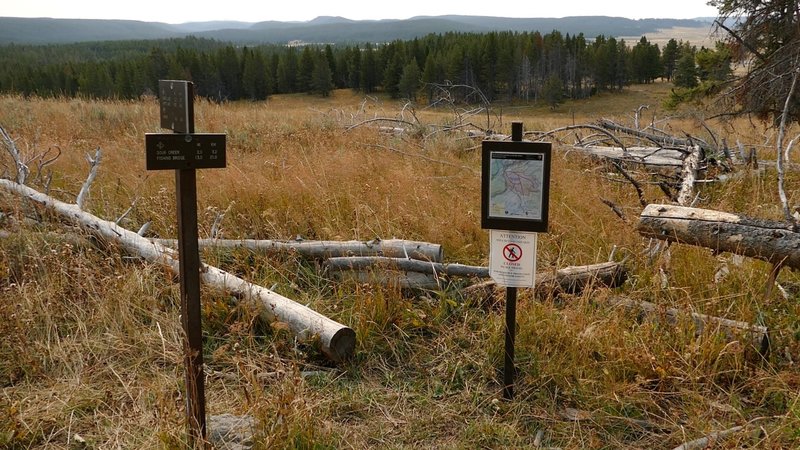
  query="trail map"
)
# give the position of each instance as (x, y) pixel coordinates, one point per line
(515, 185)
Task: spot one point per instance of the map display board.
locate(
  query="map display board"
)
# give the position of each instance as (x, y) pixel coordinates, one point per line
(515, 185)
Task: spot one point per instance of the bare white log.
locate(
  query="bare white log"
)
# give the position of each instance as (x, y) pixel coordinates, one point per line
(710, 440)
(662, 140)
(393, 248)
(689, 175)
(755, 335)
(337, 341)
(94, 163)
(648, 156)
(768, 240)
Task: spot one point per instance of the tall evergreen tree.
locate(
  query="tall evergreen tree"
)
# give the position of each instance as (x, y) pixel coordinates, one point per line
(410, 80)
(368, 79)
(669, 58)
(685, 72)
(322, 78)
(305, 70)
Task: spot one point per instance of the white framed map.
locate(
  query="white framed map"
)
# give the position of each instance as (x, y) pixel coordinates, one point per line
(515, 185)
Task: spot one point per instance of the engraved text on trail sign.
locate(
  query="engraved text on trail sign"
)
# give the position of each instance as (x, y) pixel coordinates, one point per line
(185, 151)
(177, 106)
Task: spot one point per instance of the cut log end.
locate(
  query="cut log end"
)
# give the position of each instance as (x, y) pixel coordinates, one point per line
(342, 345)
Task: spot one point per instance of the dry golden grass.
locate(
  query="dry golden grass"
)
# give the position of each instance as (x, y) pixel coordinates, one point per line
(91, 347)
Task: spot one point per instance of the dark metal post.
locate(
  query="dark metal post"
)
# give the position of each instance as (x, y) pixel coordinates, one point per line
(509, 371)
(516, 131)
(511, 320)
(189, 261)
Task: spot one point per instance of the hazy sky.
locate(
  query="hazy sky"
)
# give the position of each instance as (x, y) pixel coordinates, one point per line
(175, 11)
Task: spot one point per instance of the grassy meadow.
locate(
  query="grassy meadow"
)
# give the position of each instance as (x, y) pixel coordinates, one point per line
(91, 356)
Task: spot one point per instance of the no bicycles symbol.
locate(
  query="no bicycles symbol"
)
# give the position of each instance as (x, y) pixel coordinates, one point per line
(512, 252)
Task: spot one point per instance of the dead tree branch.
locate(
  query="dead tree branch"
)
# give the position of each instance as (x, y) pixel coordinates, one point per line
(11, 146)
(94, 163)
(781, 134)
(708, 441)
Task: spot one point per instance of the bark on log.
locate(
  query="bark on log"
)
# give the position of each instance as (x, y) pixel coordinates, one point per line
(768, 240)
(337, 341)
(394, 248)
(757, 335)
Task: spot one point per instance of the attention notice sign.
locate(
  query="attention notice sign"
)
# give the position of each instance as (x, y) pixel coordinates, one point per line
(512, 258)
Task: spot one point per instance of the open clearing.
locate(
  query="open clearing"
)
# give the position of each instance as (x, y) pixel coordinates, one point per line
(91, 352)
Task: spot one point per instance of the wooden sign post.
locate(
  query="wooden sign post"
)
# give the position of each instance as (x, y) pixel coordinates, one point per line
(515, 192)
(184, 151)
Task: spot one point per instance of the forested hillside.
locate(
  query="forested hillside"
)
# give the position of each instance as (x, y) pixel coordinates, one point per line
(322, 29)
(471, 66)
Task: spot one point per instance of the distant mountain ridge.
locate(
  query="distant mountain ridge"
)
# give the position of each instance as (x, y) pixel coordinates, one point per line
(324, 29)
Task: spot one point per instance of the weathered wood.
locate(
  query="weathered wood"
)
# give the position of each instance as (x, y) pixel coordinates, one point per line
(757, 335)
(394, 248)
(689, 175)
(337, 341)
(767, 240)
(407, 265)
(570, 279)
(648, 156)
(710, 440)
(662, 140)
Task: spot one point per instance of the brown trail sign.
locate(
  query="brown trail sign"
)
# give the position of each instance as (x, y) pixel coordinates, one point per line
(184, 153)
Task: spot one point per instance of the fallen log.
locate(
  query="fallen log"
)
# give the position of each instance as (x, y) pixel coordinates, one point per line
(337, 341)
(757, 335)
(339, 264)
(570, 279)
(394, 248)
(647, 156)
(663, 140)
(772, 241)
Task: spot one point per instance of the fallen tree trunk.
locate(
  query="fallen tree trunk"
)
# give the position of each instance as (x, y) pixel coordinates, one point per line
(768, 240)
(407, 265)
(647, 156)
(394, 248)
(570, 279)
(757, 335)
(337, 341)
(664, 140)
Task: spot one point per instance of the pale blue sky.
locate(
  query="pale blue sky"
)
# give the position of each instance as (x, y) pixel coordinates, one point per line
(175, 11)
